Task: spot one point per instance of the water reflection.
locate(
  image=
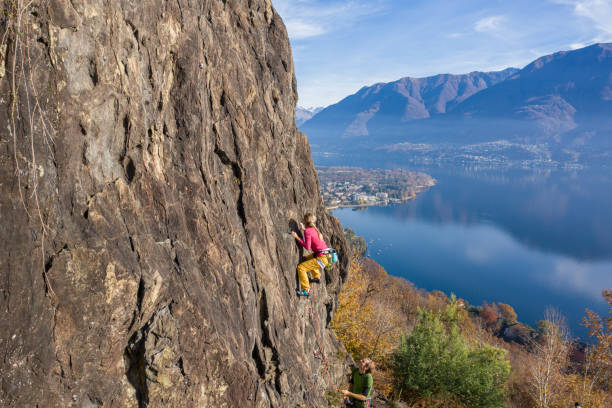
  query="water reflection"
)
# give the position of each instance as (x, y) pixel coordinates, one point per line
(562, 212)
(529, 239)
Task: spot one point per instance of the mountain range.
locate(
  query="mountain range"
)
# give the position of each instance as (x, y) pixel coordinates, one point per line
(303, 115)
(557, 110)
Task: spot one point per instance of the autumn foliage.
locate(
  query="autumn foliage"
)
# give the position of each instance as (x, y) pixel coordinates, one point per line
(377, 316)
(507, 312)
(375, 310)
(369, 319)
(592, 383)
(547, 377)
(489, 314)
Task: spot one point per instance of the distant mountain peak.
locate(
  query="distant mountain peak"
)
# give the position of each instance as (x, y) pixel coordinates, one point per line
(403, 100)
(559, 100)
(304, 114)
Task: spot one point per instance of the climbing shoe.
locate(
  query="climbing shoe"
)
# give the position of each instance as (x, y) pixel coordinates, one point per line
(303, 293)
(315, 280)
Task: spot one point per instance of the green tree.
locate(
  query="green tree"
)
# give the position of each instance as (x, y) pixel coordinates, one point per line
(437, 361)
(357, 244)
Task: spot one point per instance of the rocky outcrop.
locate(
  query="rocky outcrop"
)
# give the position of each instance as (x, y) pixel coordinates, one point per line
(517, 333)
(150, 172)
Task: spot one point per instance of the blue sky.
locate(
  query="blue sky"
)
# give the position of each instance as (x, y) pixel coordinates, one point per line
(341, 45)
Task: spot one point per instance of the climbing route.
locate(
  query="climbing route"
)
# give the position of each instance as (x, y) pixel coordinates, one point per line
(319, 340)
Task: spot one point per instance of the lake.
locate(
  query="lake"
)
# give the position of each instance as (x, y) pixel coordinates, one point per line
(528, 238)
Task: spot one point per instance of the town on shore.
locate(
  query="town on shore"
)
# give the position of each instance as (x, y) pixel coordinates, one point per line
(357, 187)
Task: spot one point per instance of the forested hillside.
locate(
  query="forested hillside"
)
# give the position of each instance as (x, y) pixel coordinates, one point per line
(436, 350)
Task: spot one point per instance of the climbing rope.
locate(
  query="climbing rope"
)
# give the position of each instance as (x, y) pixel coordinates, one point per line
(322, 350)
(321, 354)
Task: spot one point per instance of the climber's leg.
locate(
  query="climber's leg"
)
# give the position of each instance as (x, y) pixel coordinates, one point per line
(309, 265)
(316, 273)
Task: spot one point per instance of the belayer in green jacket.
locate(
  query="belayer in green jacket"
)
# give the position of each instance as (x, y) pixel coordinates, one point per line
(361, 385)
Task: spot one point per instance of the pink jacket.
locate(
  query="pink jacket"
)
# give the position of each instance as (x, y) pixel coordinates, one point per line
(312, 241)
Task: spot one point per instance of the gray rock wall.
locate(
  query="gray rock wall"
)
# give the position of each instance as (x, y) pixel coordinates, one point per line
(150, 171)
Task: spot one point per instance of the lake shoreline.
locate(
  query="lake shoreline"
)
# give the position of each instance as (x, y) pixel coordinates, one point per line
(498, 237)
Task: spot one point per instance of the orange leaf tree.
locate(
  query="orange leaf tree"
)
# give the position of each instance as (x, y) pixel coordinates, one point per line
(592, 385)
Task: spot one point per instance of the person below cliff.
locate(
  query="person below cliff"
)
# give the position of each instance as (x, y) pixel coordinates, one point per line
(361, 385)
(313, 240)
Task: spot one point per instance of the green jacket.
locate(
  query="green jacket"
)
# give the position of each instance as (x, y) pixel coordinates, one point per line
(362, 384)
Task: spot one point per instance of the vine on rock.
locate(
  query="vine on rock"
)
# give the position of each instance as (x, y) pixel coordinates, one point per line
(26, 118)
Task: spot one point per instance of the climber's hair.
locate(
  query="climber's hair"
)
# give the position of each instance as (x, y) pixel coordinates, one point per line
(369, 365)
(309, 220)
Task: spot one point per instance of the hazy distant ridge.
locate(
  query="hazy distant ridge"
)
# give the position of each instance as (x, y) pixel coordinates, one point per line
(304, 114)
(565, 88)
(559, 105)
(400, 101)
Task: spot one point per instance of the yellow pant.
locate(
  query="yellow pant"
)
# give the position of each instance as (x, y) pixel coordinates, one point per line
(310, 265)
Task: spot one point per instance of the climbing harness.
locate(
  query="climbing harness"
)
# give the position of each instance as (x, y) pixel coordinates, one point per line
(331, 253)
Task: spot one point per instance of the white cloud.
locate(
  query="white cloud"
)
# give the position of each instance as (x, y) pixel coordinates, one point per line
(311, 18)
(582, 277)
(299, 29)
(489, 24)
(576, 46)
(488, 244)
(598, 12)
(478, 254)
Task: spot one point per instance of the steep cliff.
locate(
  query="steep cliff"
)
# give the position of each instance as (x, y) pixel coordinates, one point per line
(150, 172)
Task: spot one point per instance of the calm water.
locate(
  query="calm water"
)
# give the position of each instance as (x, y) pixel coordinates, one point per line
(531, 239)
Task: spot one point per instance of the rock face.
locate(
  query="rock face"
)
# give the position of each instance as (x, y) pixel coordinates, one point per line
(150, 174)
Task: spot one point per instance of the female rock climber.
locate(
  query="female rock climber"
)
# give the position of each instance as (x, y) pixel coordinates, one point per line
(361, 388)
(313, 240)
